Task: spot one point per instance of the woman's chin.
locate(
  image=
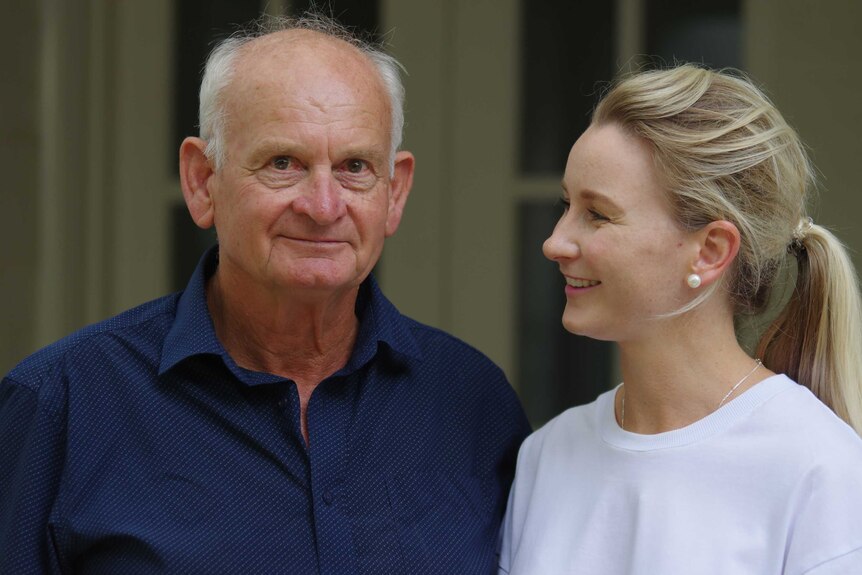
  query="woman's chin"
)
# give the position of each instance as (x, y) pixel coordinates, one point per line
(576, 327)
(583, 329)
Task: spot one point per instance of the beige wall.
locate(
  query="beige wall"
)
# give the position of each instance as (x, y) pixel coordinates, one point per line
(87, 172)
(808, 55)
(451, 263)
(19, 144)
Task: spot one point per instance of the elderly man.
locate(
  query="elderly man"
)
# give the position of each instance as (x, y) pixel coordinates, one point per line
(279, 415)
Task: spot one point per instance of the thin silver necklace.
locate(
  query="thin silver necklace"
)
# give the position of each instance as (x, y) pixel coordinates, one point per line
(757, 363)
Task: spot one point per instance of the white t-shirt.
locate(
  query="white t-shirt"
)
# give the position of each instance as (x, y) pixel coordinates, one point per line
(771, 483)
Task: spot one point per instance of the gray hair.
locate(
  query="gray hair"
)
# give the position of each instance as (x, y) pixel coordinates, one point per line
(220, 69)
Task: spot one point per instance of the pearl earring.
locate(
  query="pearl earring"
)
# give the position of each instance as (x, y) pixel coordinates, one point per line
(693, 281)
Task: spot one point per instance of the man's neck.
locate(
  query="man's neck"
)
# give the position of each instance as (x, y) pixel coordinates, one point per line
(299, 338)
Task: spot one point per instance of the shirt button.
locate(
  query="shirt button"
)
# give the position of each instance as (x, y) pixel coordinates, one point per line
(329, 496)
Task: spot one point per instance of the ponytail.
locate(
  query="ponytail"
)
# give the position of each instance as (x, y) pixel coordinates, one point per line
(817, 338)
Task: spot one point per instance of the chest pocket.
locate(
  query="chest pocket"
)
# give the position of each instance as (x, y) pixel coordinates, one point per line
(444, 522)
(424, 499)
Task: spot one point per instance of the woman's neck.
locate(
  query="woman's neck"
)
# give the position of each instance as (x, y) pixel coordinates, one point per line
(681, 374)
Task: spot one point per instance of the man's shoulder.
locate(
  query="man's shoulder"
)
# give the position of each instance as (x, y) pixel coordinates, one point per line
(475, 392)
(409, 336)
(135, 324)
(437, 344)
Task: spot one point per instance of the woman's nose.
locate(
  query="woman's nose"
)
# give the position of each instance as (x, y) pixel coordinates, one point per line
(560, 246)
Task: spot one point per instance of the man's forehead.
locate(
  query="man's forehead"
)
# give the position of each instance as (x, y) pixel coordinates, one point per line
(297, 59)
(287, 44)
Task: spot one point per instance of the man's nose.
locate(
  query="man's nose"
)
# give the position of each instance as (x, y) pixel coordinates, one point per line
(322, 199)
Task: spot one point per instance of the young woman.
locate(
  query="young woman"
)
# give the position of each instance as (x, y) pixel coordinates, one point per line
(685, 200)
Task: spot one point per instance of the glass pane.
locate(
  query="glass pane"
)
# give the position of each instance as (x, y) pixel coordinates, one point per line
(706, 31)
(359, 15)
(567, 54)
(200, 24)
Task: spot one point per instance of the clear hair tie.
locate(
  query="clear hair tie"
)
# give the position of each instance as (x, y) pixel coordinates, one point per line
(797, 241)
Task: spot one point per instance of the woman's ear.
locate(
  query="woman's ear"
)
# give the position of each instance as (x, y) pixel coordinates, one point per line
(195, 177)
(719, 244)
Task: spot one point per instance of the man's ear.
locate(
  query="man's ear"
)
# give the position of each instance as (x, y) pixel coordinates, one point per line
(195, 177)
(719, 244)
(399, 189)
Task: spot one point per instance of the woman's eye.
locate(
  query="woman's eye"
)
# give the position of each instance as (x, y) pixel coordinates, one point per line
(282, 162)
(597, 216)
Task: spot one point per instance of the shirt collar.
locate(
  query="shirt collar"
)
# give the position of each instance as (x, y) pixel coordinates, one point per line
(193, 331)
(380, 323)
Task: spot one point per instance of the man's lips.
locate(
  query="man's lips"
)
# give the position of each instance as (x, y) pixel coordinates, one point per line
(317, 241)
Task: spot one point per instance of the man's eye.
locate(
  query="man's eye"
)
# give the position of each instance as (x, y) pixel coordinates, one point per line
(355, 166)
(282, 162)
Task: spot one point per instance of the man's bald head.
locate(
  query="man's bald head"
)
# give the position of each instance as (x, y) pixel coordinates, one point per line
(221, 67)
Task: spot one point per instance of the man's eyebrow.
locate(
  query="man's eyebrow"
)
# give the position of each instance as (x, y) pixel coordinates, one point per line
(281, 146)
(365, 153)
(269, 147)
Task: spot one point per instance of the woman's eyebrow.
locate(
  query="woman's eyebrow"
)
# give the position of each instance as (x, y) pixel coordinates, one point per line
(594, 196)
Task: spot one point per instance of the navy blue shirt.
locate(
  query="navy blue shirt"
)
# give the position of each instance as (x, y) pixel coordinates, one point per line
(137, 445)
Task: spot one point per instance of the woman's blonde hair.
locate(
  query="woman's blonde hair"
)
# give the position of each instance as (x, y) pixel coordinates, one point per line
(726, 153)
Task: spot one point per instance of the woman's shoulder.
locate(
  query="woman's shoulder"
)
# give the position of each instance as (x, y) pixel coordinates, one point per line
(809, 429)
(821, 456)
(573, 426)
(803, 414)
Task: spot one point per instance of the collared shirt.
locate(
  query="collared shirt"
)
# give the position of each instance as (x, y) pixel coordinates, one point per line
(138, 445)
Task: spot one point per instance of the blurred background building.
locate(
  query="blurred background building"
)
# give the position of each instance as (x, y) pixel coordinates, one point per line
(97, 94)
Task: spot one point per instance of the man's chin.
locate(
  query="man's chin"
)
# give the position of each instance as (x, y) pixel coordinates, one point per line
(322, 278)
